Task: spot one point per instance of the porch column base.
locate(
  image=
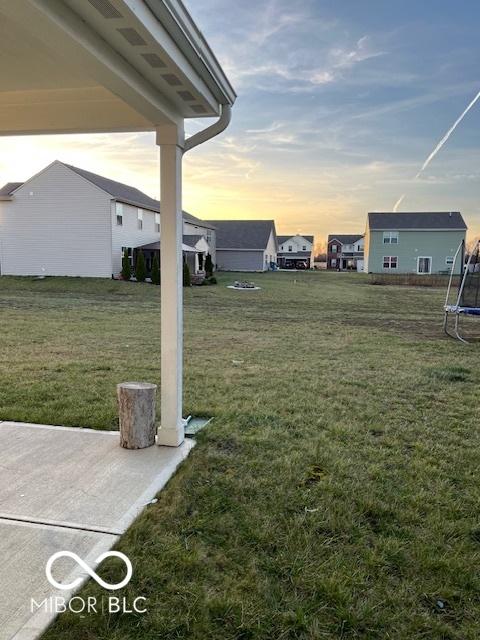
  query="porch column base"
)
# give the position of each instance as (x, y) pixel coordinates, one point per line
(170, 437)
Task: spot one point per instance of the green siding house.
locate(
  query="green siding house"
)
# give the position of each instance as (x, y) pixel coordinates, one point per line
(420, 243)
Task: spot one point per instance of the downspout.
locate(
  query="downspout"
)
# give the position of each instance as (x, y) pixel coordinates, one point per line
(210, 132)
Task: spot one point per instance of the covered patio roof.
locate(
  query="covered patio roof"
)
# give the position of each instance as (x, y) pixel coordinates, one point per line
(70, 66)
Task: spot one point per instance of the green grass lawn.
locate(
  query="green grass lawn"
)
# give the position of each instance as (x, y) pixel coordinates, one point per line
(336, 493)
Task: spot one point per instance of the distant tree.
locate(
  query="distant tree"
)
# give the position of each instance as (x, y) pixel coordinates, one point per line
(126, 266)
(156, 269)
(187, 281)
(208, 266)
(140, 268)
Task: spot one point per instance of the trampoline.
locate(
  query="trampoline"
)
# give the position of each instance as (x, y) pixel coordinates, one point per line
(467, 297)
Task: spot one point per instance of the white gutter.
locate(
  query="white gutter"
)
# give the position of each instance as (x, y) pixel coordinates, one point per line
(210, 132)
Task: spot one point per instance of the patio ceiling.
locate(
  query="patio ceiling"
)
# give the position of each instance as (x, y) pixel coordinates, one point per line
(104, 65)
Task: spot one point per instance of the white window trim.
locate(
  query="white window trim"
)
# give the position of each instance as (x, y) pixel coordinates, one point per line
(389, 235)
(424, 273)
(389, 268)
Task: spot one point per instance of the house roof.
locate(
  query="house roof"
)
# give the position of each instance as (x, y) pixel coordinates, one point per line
(243, 234)
(197, 221)
(118, 190)
(9, 188)
(345, 238)
(155, 246)
(130, 195)
(282, 239)
(192, 240)
(417, 220)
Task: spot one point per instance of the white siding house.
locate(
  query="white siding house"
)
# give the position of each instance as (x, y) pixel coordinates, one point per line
(66, 221)
(56, 224)
(293, 250)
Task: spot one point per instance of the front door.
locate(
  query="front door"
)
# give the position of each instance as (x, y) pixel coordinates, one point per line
(424, 265)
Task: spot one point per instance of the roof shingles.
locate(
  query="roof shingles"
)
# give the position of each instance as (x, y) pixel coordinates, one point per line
(118, 190)
(345, 238)
(422, 220)
(129, 195)
(243, 234)
(282, 239)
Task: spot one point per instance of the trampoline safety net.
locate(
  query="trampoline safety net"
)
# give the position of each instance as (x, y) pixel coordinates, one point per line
(470, 288)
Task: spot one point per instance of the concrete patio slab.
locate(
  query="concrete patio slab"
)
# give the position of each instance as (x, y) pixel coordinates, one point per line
(65, 489)
(24, 551)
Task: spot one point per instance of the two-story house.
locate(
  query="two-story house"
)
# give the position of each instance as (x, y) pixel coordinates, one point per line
(421, 242)
(345, 252)
(295, 252)
(66, 221)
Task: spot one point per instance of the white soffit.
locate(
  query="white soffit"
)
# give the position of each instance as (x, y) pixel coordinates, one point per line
(99, 65)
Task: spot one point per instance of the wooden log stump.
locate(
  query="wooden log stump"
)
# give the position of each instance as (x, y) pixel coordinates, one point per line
(136, 410)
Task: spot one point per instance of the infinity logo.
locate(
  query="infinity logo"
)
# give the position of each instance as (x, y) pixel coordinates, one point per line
(87, 569)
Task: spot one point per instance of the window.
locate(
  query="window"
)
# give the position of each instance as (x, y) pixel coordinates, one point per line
(334, 248)
(424, 264)
(449, 261)
(390, 237)
(359, 247)
(281, 247)
(390, 262)
(140, 219)
(304, 248)
(119, 213)
(334, 262)
(290, 247)
(129, 253)
(209, 236)
(157, 222)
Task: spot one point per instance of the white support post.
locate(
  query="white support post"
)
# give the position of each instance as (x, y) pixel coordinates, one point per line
(171, 140)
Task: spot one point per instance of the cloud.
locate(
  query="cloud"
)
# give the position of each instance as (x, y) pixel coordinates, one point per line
(299, 72)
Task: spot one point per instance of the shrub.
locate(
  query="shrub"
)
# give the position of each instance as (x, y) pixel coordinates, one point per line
(156, 269)
(211, 280)
(208, 266)
(186, 275)
(126, 267)
(140, 268)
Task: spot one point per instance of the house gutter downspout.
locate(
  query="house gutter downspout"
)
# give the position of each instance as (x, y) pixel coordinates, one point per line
(210, 132)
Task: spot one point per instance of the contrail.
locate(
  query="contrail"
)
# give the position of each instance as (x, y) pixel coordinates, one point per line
(399, 202)
(440, 145)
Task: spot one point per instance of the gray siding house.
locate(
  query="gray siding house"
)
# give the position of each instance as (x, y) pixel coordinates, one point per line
(245, 245)
(421, 243)
(66, 221)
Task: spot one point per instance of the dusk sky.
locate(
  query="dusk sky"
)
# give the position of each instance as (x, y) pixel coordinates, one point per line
(339, 104)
